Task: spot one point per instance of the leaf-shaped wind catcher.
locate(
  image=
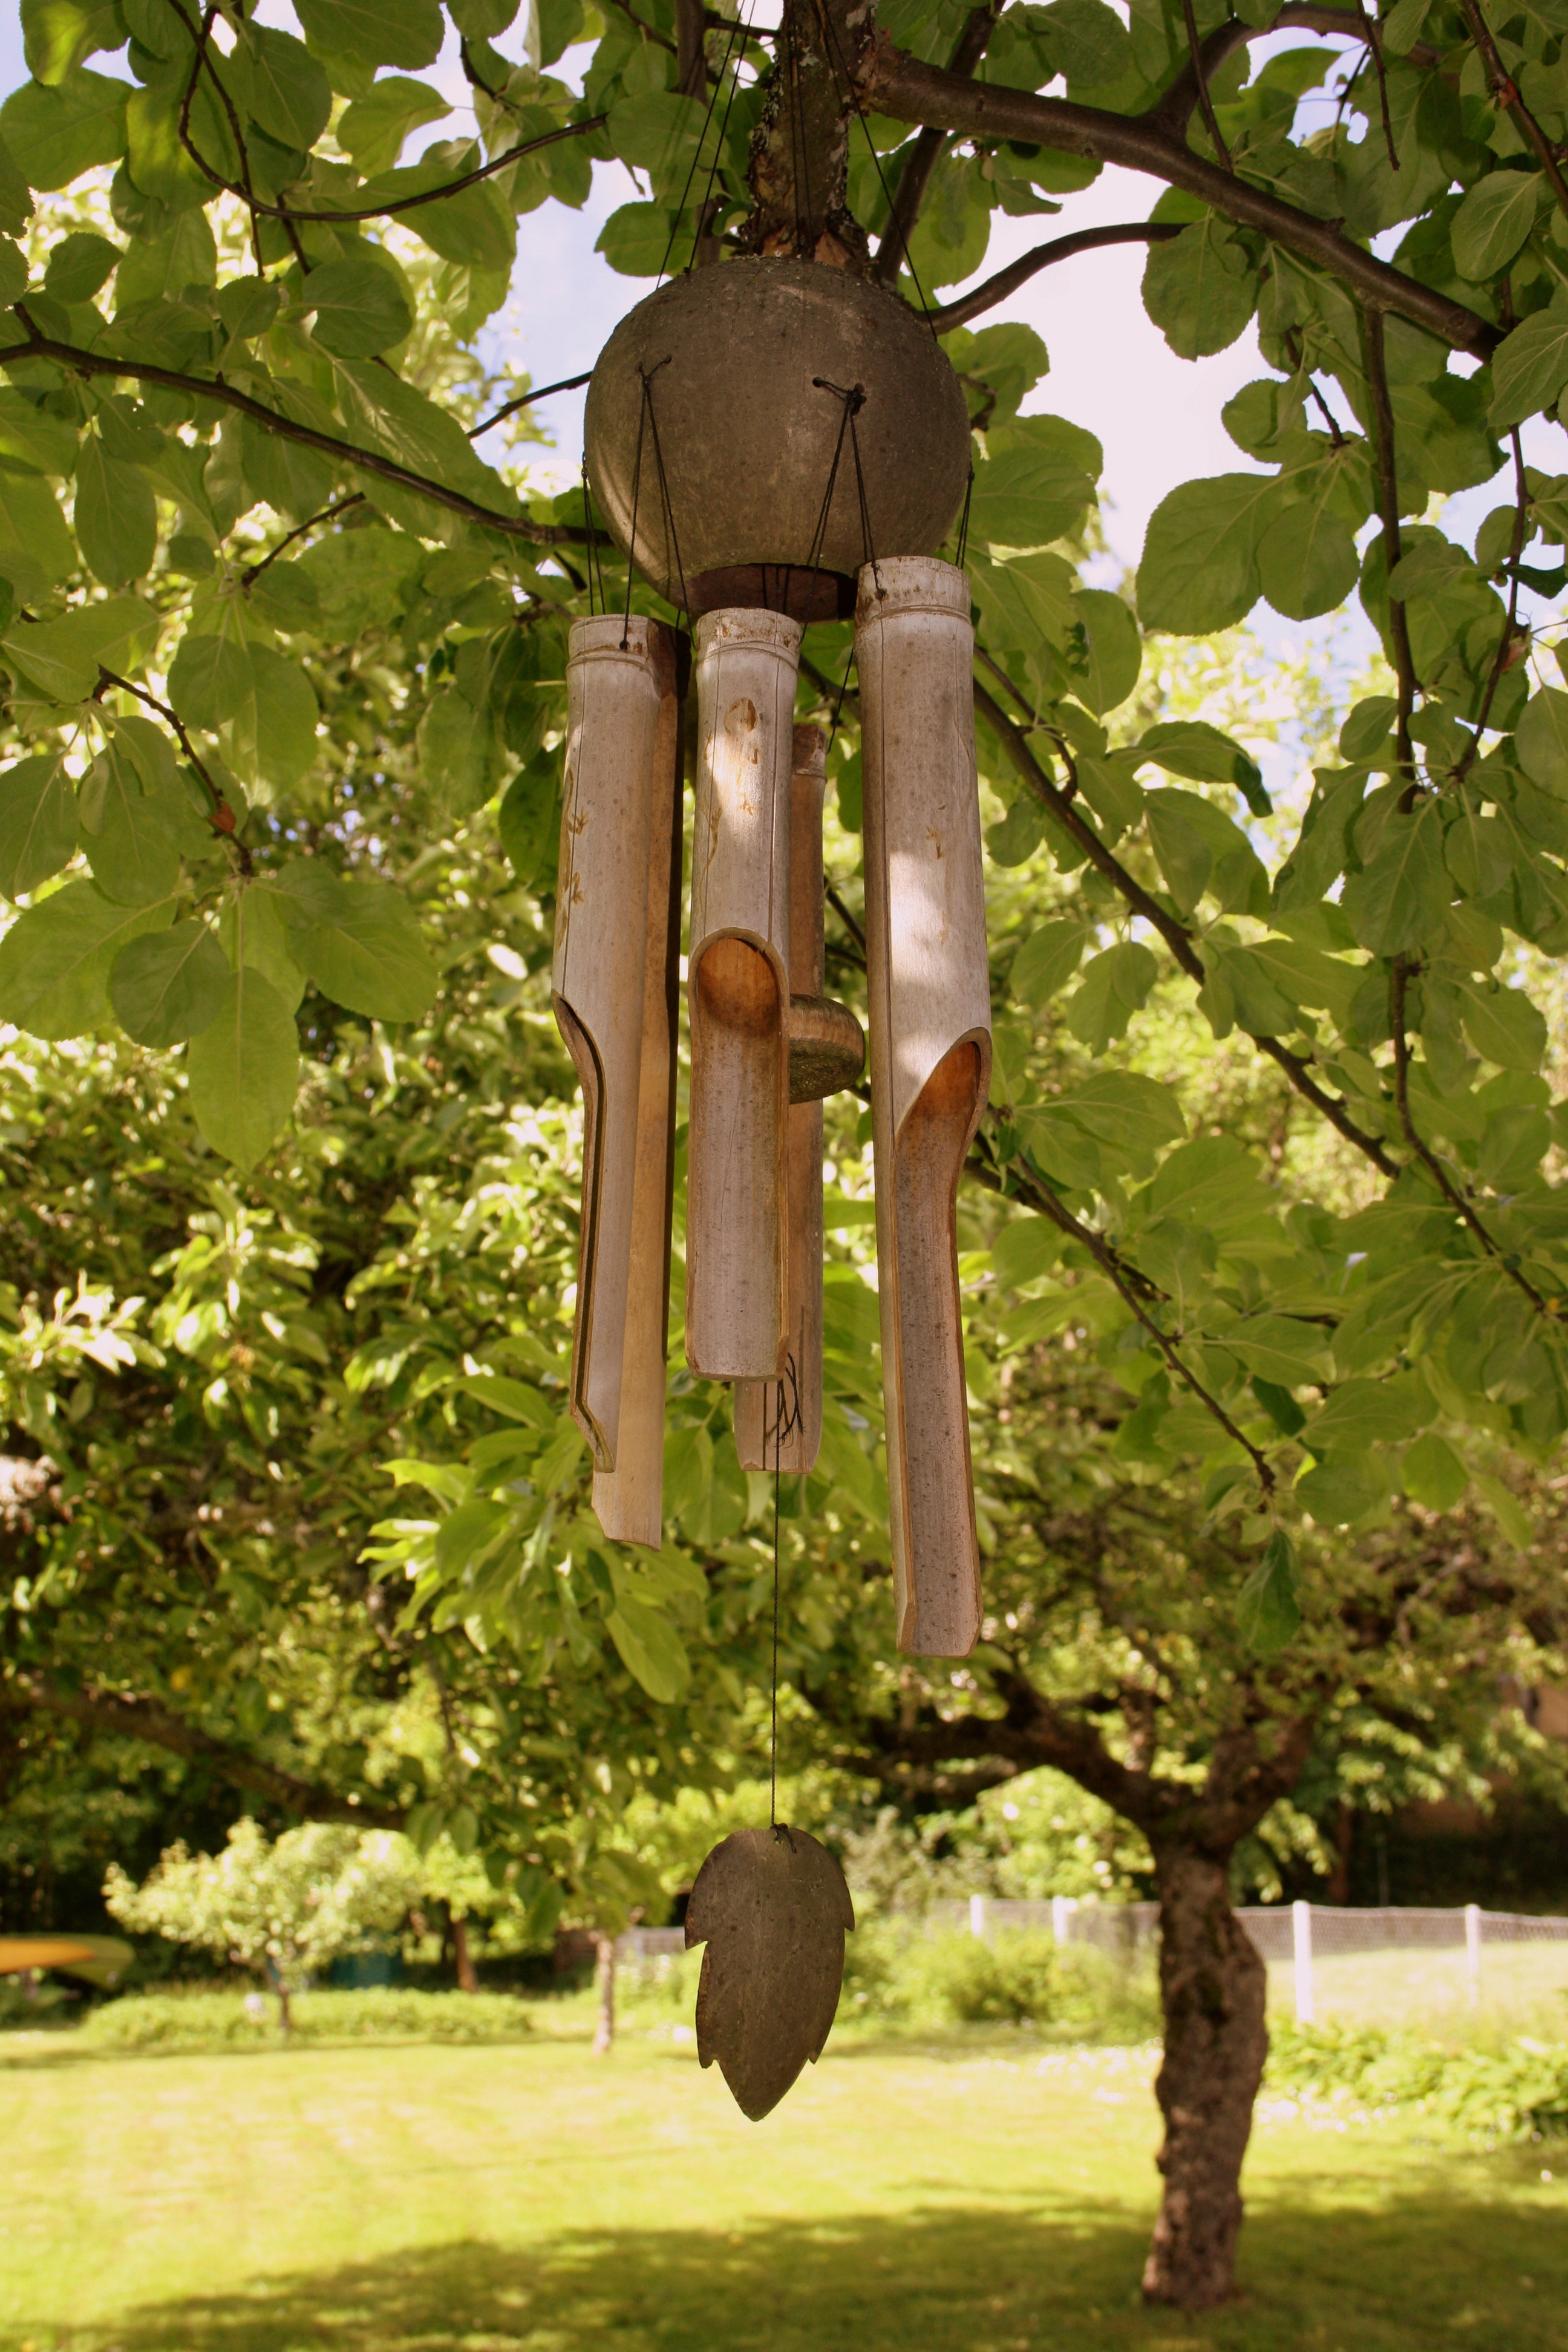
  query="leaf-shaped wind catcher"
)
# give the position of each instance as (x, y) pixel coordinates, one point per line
(772, 1909)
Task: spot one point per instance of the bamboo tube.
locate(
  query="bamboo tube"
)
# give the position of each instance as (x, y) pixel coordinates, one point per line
(615, 990)
(764, 1439)
(738, 990)
(927, 985)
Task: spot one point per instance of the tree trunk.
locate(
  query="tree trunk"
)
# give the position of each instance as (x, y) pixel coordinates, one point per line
(467, 1975)
(1212, 1991)
(285, 2014)
(605, 1986)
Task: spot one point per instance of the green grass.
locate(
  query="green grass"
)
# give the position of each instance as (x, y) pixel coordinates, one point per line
(912, 2198)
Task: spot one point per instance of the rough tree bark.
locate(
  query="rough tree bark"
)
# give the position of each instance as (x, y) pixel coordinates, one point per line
(1212, 1989)
(799, 150)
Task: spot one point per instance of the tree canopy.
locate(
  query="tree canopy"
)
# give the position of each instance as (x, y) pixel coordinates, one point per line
(1265, 1244)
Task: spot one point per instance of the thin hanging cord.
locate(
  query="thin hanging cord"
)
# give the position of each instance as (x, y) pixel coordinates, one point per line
(714, 89)
(838, 706)
(663, 479)
(636, 494)
(783, 1427)
(854, 98)
(743, 24)
(592, 543)
(963, 524)
(867, 544)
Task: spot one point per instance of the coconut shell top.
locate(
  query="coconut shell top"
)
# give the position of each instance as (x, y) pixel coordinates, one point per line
(747, 435)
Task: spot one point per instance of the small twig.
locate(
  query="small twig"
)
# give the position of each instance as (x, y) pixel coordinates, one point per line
(1006, 282)
(222, 818)
(1506, 92)
(1194, 50)
(1399, 973)
(1294, 352)
(527, 399)
(1388, 509)
(1506, 653)
(856, 930)
(1374, 43)
(925, 153)
(253, 572)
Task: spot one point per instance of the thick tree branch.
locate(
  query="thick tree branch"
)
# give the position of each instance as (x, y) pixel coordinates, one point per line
(145, 1719)
(348, 452)
(924, 155)
(992, 290)
(903, 87)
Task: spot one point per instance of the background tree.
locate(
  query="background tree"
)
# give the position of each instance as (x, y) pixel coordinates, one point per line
(287, 1910)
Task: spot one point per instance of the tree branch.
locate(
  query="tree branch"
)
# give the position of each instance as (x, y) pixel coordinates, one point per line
(1211, 121)
(1506, 91)
(1510, 645)
(992, 290)
(145, 1719)
(347, 452)
(1388, 509)
(892, 249)
(903, 87)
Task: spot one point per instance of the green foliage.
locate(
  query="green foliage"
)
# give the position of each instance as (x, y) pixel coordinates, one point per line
(1519, 2093)
(193, 2020)
(902, 1974)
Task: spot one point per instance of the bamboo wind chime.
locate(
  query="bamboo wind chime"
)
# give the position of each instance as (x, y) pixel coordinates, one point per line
(715, 412)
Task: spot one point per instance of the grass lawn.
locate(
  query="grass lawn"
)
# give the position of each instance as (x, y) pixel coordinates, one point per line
(906, 2198)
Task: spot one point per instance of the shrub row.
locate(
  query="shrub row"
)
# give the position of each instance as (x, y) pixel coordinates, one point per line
(208, 2020)
(1517, 2092)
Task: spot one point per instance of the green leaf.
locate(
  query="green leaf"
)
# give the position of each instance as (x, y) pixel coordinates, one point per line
(1506, 1511)
(1369, 726)
(1306, 560)
(59, 34)
(454, 756)
(1365, 1412)
(255, 934)
(169, 985)
(1493, 220)
(1046, 961)
(1193, 749)
(373, 130)
(1504, 1025)
(1131, 1114)
(1036, 484)
(1401, 896)
(36, 549)
(1277, 1348)
(1432, 1474)
(1201, 288)
(1345, 1488)
(636, 241)
(530, 821)
(60, 658)
(290, 96)
(650, 1649)
(64, 131)
(1529, 370)
(1541, 739)
(1020, 834)
(31, 437)
(1115, 648)
(360, 578)
(131, 845)
(359, 941)
(55, 959)
(1199, 567)
(657, 130)
(377, 32)
(37, 824)
(265, 705)
(1200, 849)
(183, 255)
(1269, 1609)
(116, 515)
(78, 265)
(243, 1070)
(1114, 986)
(360, 308)
(399, 420)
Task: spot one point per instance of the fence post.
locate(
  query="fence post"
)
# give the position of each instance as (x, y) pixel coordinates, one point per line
(1473, 1951)
(1061, 1912)
(977, 1914)
(1301, 1932)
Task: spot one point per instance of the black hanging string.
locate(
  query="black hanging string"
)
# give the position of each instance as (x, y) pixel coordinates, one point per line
(593, 563)
(647, 376)
(714, 88)
(787, 1418)
(838, 706)
(963, 521)
(743, 24)
(636, 494)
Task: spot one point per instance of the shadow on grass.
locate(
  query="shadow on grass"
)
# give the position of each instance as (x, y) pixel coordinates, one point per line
(1427, 2269)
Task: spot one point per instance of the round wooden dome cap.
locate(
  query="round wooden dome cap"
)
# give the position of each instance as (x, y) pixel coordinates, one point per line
(746, 432)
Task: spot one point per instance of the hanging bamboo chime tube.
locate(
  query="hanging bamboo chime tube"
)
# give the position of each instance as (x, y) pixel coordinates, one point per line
(615, 990)
(766, 1439)
(737, 1274)
(927, 987)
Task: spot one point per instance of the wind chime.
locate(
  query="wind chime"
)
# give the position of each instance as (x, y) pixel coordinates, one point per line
(772, 443)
